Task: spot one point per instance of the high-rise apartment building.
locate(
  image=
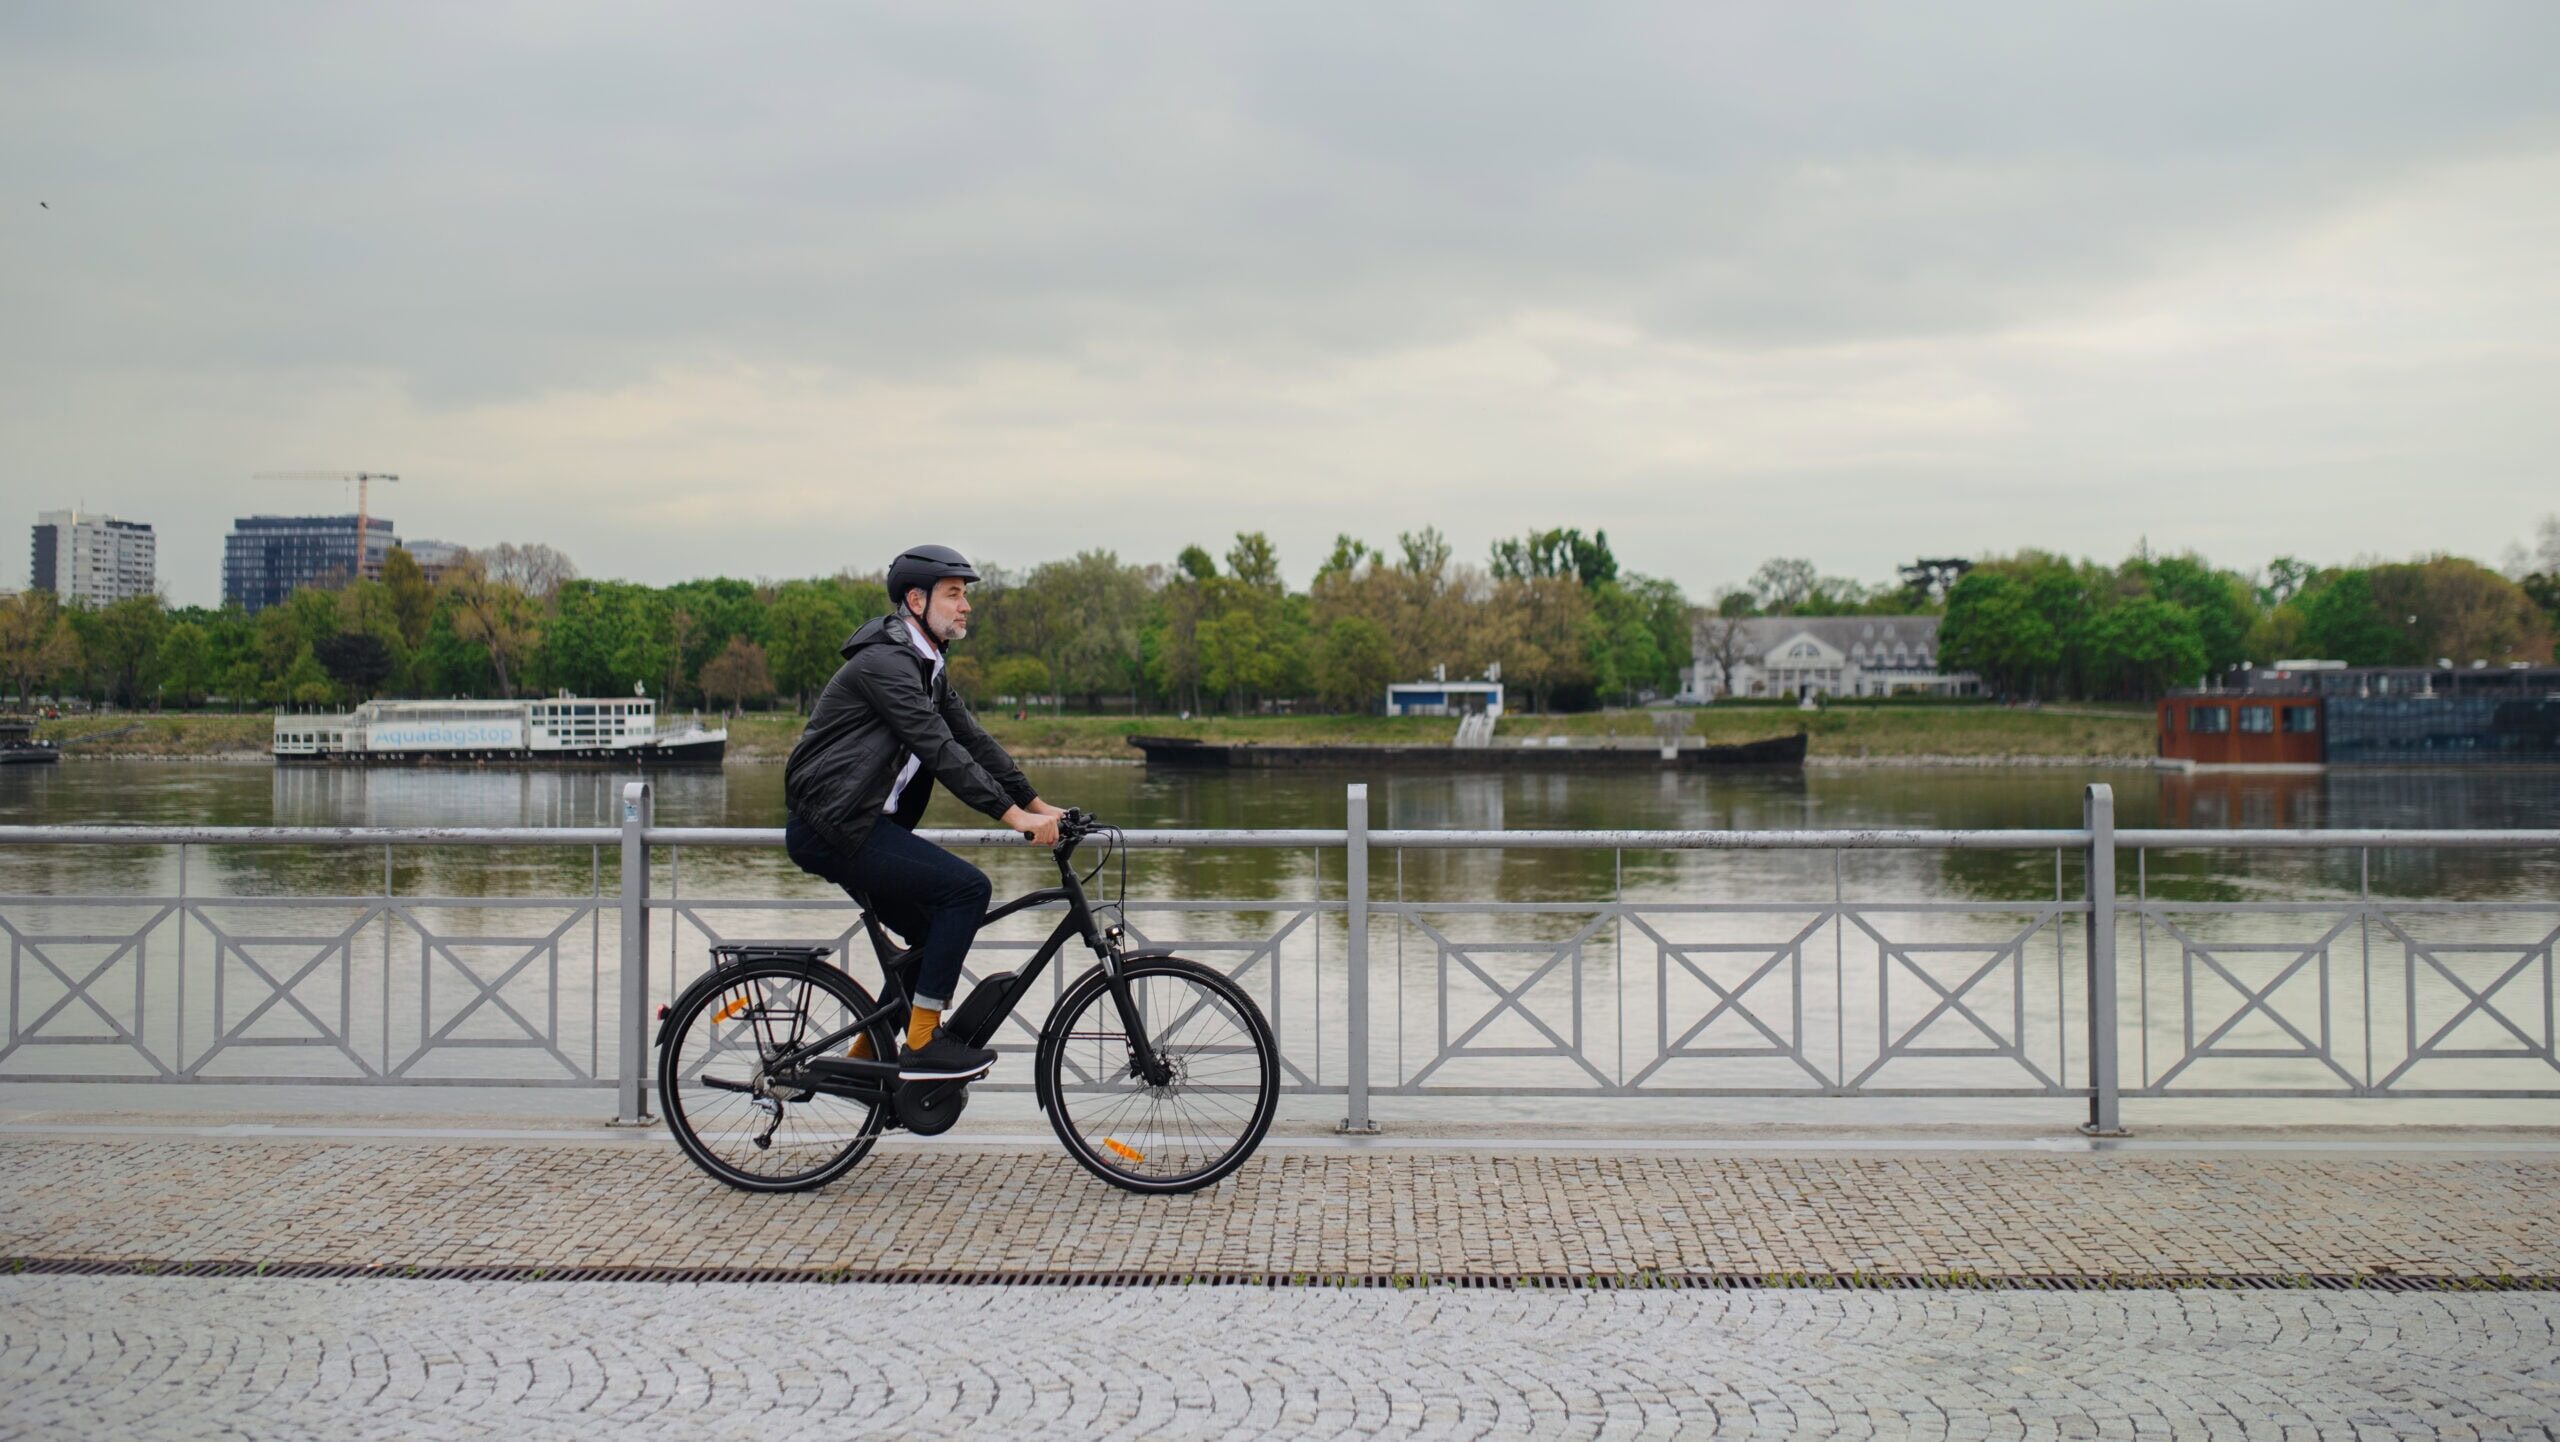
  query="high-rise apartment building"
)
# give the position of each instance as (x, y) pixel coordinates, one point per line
(99, 560)
(267, 558)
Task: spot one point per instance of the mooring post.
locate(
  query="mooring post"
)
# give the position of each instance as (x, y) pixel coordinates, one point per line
(2098, 814)
(1355, 890)
(631, 1096)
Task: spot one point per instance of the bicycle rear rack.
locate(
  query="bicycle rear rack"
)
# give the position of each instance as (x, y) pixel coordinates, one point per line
(732, 954)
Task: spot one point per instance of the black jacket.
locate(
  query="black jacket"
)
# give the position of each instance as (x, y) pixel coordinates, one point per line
(883, 703)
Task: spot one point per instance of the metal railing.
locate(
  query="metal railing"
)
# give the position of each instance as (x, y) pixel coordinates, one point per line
(1662, 988)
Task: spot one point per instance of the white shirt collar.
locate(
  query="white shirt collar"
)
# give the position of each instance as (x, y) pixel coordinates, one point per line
(925, 648)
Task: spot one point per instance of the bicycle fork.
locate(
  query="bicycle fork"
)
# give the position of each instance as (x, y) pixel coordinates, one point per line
(1145, 1062)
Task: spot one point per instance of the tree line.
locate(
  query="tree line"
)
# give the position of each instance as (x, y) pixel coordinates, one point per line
(1552, 610)
(1205, 633)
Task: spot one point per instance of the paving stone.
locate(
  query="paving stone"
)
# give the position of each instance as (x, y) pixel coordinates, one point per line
(441, 1203)
(167, 1358)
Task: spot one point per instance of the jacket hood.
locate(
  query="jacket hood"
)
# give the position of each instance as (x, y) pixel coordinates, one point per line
(888, 630)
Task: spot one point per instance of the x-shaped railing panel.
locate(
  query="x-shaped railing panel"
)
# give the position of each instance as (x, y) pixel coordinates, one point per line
(2259, 1001)
(82, 990)
(2008, 954)
(2533, 1045)
(229, 945)
(1510, 1000)
(1788, 954)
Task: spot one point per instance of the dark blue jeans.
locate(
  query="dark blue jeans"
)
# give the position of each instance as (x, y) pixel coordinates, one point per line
(931, 898)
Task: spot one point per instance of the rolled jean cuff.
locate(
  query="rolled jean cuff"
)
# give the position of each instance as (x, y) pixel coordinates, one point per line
(931, 1003)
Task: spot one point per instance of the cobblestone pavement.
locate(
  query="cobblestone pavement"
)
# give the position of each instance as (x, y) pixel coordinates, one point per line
(409, 1202)
(166, 1358)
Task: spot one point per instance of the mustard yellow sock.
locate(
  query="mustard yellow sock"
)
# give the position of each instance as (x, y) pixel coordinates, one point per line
(861, 1048)
(920, 1024)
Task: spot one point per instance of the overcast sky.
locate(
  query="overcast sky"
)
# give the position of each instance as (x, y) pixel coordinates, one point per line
(772, 290)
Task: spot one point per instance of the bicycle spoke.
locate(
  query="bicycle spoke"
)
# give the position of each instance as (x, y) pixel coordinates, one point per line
(734, 1038)
(1211, 1106)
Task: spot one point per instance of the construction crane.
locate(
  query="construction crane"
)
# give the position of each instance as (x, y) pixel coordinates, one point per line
(364, 504)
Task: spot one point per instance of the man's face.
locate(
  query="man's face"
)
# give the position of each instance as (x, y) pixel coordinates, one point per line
(946, 609)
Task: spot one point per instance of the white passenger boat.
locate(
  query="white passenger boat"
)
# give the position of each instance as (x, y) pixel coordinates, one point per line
(562, 730)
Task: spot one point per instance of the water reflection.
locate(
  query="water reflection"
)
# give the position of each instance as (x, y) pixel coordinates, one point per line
(178, 793)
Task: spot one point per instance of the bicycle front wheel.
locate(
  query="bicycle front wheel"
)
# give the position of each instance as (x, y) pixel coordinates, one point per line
(1196, 1122)
(731, 1116)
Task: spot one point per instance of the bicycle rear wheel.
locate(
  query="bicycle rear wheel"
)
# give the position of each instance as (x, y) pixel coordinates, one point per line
(727, 1113)
(1203, 1119)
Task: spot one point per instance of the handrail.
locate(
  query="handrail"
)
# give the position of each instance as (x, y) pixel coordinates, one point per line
(310, 836)
(2155, 839)
(2158, 839)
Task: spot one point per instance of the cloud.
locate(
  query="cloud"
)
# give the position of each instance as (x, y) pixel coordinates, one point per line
(651, 283)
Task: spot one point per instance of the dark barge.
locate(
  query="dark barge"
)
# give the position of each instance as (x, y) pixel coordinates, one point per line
(18, 746)
(1191, 753)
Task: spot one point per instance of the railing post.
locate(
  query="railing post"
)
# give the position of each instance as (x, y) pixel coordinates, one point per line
(1355, 890)
(2098, 814)
(631, 1096)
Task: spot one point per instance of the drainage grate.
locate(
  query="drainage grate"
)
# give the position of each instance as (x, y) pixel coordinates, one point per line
(1397, 1281)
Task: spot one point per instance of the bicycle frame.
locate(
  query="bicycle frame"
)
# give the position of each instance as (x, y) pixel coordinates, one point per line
(870, 1078)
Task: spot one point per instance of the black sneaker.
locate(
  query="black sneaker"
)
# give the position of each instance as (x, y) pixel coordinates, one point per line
(944, 1058)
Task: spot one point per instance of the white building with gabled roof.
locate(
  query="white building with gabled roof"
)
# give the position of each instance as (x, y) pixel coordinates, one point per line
(1822, 656)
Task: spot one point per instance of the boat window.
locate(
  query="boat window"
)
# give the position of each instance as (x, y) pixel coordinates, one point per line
(2301, 719)
(2258, 720)
(2208, 720)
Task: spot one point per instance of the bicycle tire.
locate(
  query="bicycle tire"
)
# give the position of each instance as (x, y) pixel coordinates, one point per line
(691, 1103)
(1164, 1116)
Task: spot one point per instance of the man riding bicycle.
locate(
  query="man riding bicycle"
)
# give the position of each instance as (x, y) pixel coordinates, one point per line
(887, 727)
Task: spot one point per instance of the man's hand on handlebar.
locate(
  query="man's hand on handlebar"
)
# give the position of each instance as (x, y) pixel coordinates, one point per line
(1041, 828)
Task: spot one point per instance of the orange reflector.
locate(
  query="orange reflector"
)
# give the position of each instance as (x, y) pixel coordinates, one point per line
(732, 1009)
(1125, 1152)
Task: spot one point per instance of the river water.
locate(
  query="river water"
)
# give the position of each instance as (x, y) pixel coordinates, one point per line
(1760, 971)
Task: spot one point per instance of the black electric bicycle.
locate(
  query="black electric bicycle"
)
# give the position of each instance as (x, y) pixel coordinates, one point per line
(777, 1071)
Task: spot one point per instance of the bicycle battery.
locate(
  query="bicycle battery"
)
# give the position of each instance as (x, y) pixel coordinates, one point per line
(982, 1010)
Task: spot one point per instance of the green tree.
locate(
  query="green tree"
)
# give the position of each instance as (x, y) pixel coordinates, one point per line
(738, 673)
(806, 628)
(122, 642)
(1234, 659)
(186, 664)
(1354, 664)
(358, 661)
(2142, 647)
(496, 617)
(1558, 552)
(307, 683)
(1994, 628)
(2342, 621)
(2465, 611)
(1624, 650)
(603, 636)
(37, 643)
(412, 597)
(1253, 562)
(1023, 678)
(2221, 604)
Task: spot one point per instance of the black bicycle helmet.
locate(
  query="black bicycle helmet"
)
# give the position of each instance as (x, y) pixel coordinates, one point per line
(918, 567)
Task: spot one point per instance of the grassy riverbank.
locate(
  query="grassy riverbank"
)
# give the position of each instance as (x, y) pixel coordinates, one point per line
(1839, 733)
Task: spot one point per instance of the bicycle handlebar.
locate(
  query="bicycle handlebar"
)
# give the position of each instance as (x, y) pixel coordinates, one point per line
(1073, 827)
